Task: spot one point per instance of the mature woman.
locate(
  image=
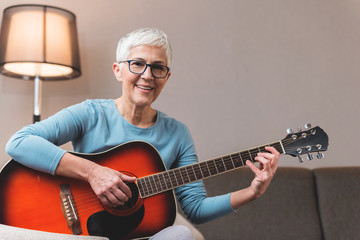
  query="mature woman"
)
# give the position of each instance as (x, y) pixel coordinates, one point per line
(143, 57)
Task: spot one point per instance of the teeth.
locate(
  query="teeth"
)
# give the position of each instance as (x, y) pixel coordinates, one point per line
(145, 88)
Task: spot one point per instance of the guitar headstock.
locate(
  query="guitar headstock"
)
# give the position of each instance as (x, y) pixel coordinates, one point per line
(306, 142)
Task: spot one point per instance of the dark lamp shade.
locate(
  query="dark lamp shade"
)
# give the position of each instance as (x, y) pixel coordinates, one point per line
(39, 40)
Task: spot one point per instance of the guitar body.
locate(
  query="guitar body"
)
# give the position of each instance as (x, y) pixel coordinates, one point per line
(30, 199)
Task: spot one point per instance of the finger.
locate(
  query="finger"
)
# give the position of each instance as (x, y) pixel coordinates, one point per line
(273, 151)
(267, 155)
(253, 167)
(127, 178)
(264, 162)
(276, 156)
(119, 195)
(105, 200)
(113, 200)
(123, 186)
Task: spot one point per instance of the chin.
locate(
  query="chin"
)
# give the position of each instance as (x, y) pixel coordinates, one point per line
(143, 103)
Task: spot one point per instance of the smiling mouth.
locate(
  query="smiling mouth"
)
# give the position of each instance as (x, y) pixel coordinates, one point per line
(144, 88)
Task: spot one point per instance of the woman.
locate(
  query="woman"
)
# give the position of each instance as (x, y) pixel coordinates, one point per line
(143, 57)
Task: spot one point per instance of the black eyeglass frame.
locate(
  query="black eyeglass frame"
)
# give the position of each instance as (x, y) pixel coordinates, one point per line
(146, 66)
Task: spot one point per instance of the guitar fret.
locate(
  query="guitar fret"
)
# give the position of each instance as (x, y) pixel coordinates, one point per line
(219, 165)
(144, 187)
(232, 162)
(157, 183)
(178, 177)
(184, 175)
(198, 172)
(153, 185)
(168, 181)
(162, 181)
(139, 183)
(250, 158)
(174, 182)
(191, 173)
(204, 169)
(212, 167)
(262, 149)
(228, 163)
(242, 159)
(255, 152)
(236, 159)
(148, 185)
(278, 147)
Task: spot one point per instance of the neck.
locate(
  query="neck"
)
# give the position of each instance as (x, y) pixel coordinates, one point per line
(139, 116)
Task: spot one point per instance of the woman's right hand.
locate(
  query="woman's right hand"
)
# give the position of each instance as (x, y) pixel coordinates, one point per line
(109, 185)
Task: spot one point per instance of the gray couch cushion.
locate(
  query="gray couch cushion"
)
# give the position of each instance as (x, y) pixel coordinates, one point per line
(339, 203)
(287, 210)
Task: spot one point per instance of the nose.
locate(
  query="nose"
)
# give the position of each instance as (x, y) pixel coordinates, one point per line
(147, 73)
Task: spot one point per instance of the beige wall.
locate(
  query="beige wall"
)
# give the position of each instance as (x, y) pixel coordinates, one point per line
(243, 71)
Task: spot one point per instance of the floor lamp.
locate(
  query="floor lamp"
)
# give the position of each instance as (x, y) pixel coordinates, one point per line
(39, 43)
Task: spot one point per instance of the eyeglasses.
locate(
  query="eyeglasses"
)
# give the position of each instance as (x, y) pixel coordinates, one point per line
(139, 67)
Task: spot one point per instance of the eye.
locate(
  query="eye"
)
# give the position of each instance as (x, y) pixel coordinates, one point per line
(137, 64)
(159, 67)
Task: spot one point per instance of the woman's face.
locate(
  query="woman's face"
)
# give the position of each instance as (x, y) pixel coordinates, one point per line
(141, 90)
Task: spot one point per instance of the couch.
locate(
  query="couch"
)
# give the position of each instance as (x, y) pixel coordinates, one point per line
(300, 203)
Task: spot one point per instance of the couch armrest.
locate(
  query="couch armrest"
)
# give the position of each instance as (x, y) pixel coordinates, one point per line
(11, 233)
(338, 196)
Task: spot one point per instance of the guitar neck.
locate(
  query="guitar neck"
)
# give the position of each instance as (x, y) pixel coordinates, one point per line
(171, 179)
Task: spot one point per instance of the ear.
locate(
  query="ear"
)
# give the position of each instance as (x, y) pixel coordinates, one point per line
(117, 71)
(167, 78)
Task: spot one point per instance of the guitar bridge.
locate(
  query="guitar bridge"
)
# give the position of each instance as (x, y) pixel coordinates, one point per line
(69, 209)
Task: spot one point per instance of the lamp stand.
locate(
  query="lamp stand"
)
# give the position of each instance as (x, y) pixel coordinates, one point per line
(37, 98)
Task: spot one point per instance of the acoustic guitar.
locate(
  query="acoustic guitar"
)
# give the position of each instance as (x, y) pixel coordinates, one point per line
(34, 200)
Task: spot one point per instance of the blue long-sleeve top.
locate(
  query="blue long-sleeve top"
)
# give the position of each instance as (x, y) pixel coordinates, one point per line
(95, 126)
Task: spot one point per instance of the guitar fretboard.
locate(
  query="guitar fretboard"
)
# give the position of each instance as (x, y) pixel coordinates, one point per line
(167, 180)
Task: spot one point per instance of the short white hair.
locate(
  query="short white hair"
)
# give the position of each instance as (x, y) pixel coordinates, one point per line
(143, 37)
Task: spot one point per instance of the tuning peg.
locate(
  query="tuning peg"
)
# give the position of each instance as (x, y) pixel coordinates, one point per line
(310, 157)
(289, 131)
(300, 159)
(308, 125)
(320, 155)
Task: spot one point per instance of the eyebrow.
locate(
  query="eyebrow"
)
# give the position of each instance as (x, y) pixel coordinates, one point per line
(155, 62)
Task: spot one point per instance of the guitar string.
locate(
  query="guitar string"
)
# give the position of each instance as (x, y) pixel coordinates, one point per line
(214, 166)
(211, 169)
(226, 164)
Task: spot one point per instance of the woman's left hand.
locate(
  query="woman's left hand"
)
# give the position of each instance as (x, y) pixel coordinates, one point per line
(265, 172)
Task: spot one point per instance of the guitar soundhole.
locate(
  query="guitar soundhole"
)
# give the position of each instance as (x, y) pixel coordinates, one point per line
(133, 200)
(131, 206)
